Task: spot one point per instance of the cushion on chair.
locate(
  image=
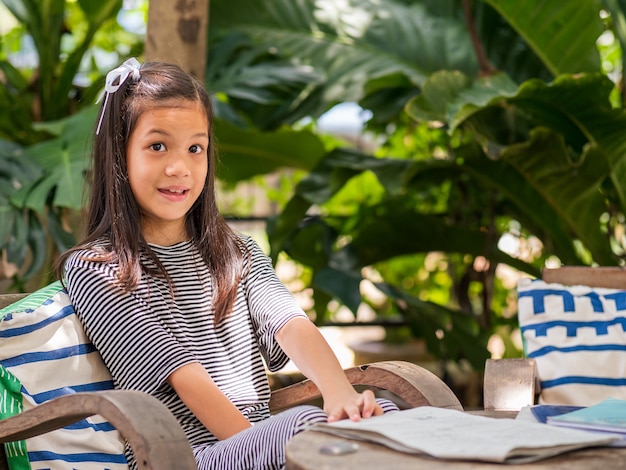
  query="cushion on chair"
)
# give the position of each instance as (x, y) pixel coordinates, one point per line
(44, 353)
(576, 335)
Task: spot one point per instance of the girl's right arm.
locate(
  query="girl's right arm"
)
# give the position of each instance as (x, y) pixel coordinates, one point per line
(196, 389)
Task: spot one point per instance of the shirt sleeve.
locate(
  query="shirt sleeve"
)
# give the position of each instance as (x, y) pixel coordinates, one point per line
(137, 348)
(271, 305)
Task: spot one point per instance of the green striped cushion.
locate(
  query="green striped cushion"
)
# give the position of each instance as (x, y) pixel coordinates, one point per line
(44, 353)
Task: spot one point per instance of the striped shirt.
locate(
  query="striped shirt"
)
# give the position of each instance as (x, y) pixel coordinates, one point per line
(144, 335)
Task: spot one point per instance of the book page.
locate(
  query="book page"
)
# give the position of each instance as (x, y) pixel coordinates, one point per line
(451, 434)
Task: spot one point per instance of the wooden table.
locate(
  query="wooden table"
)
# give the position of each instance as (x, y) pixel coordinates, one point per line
(303, 453)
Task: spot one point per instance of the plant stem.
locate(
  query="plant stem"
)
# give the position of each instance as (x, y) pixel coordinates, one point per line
(485, 67)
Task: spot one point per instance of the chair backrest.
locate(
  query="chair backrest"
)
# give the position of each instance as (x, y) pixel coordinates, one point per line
(604, 276)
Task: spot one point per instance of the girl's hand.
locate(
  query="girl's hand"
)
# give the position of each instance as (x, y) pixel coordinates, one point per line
(353, 405)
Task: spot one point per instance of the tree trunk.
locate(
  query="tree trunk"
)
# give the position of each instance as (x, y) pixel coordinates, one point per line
(177, 33)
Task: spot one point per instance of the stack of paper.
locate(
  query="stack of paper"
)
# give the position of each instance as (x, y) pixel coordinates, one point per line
(451, 434)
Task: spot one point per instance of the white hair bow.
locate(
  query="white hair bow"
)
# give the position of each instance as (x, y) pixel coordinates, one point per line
(121, 74)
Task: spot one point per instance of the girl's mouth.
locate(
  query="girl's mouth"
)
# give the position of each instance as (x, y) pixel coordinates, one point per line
(174, 194)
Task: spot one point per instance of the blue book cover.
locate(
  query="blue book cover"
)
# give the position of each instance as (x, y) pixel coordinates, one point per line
(542, 412)
(609, 415)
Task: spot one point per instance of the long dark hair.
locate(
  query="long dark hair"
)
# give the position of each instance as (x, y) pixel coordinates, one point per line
(113, 213)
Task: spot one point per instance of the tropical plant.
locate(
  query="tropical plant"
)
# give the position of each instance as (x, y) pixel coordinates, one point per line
(520, 135)
(49, 72)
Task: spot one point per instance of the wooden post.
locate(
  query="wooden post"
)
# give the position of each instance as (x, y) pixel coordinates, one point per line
(177, 33)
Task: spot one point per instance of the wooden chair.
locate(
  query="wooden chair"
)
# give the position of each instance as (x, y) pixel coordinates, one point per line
(154, 434)
(510, 384)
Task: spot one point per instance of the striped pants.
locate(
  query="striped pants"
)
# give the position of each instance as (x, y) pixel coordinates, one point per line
(262, 447)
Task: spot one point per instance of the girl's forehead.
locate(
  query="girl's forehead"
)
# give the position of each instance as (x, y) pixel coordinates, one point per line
(149, 106)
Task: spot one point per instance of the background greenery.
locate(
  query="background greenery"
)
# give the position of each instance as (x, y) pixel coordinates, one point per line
(495, 129)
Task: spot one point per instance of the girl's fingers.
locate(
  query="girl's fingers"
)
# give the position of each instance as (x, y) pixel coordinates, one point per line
(369, 405)
(365, 406)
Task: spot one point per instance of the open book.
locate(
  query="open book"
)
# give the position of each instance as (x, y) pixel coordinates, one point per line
(451, 434)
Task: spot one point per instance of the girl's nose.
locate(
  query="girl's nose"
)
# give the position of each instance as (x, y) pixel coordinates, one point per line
(177, 167)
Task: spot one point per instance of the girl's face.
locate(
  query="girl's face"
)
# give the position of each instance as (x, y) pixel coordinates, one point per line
(167, 160)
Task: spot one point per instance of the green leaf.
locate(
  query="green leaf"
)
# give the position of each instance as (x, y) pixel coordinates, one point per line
(563, 137)
(562, 34)
(392, 220)
(451, 96)
(324, 181)
(7, 213)
(64, 160)
(98, 11)
(62, 239)
(13, 76)
(526, 197)
(16, 248)
(245, 153)
(344, 286)
(354, 42)
(312, 244)
(37, 246)
(572, 189)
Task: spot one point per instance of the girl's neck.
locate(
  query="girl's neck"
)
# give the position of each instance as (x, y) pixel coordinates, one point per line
(161, 236)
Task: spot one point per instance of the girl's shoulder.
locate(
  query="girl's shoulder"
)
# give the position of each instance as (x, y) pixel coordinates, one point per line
(251, 249)
(97, 252)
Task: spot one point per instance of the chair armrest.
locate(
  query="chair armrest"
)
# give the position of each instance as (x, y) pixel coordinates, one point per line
(411, 383)
(509, 384)
(152, 432)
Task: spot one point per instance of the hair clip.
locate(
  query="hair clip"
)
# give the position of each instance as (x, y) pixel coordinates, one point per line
(121, 74)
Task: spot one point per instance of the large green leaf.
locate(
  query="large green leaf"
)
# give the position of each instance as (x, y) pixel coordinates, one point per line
(505, 48)
(64, 160)
(562, 33)
(572, 189)
(16, 120)
(567, 168)
(450, 95)
(617, 8)
(341, 285)
(246, 153)
(353, 42)
(324, 181)
(526, 202)
(17, 170)
(268, 89)
(392, 220)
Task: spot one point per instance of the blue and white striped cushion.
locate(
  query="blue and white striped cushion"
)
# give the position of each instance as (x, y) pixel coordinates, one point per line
(577, 336)
(44, 353)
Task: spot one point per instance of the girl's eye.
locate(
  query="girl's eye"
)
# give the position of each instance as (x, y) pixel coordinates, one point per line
(195, 149)
(158, 147)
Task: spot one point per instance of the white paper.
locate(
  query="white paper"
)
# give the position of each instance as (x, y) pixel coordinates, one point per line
(451, 434)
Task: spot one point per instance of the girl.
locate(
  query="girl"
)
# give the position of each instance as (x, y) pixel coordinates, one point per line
(178, 304)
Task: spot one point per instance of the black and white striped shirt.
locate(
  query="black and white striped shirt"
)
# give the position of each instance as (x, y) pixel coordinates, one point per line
(144, 335)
